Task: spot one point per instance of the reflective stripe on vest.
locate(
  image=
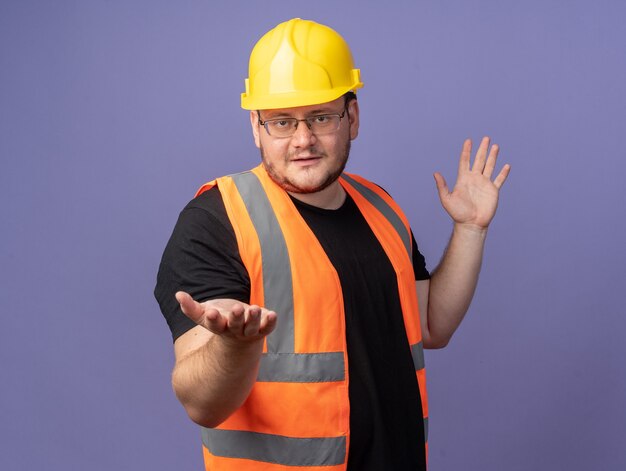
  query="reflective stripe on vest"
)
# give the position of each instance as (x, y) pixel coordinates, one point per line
(301, 367)
(385, 209)
(280, 363)
(417, 352)
(277, 283)
(276, 449)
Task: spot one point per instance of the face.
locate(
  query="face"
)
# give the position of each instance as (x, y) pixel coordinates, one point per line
(305, 162)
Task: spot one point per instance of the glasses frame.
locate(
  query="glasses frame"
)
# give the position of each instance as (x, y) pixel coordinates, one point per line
(306, 120)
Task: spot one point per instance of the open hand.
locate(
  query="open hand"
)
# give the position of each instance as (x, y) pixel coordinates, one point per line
(229, 317)
(474, 198)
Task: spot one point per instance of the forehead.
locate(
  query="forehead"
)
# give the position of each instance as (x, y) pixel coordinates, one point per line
(329, 107)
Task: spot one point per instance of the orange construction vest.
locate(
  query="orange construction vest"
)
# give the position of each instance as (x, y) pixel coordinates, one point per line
(297, 415)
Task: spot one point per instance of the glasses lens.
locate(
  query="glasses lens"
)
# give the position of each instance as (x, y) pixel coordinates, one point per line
(286, 127)
(324, 123)
(281, 127)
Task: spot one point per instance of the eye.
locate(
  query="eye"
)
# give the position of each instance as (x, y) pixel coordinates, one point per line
(281, 123)
(321, 119)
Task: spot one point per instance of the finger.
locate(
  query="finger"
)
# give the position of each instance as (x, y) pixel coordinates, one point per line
(253, 319)
(501, 178)
(268, 322)
(466, 152)
(192, 309)
(214, 321)
(491, 161)
(481, 155)
(236, 319)
(442, 186)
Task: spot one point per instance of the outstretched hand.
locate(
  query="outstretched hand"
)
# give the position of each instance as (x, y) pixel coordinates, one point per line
(228, 317)
(474, 198)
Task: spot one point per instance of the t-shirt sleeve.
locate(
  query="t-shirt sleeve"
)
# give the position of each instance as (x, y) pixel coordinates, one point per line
(201, 258)
(419, 263)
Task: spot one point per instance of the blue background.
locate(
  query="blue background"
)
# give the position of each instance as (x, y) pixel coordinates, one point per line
(113, 113)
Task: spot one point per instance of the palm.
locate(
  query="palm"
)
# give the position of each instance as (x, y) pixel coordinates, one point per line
(474, 198)
(229, 318)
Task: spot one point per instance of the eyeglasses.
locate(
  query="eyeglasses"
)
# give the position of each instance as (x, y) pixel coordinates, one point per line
(318, 124)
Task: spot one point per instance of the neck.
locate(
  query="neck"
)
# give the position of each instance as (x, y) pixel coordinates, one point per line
(331, 197)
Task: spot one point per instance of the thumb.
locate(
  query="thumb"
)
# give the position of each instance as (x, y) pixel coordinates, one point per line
(442, 186)
(190, 308)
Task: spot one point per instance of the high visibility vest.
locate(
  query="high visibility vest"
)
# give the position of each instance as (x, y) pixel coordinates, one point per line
(297, 415)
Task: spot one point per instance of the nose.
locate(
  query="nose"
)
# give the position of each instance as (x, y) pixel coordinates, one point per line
(303, 137)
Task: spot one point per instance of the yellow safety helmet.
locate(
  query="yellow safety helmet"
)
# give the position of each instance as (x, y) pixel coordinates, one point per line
(299, 63)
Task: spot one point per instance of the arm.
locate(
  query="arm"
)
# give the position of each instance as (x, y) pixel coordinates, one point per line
(217, 361)
(471, 205)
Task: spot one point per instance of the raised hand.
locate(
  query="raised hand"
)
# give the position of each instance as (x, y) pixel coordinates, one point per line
(228, 317)
(474, 198)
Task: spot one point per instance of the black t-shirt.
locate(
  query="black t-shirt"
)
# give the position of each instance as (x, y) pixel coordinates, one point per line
(386, 422)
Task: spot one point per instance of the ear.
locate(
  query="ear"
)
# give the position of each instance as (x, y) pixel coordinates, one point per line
(254, 122)
(353, 116)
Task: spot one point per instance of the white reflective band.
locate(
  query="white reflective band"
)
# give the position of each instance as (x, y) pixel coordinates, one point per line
(301, 367)
(276, 449)
(386, 210)
(277, 280)
(417, 352)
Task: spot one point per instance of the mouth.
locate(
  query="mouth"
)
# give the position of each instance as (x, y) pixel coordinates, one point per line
(305, 160)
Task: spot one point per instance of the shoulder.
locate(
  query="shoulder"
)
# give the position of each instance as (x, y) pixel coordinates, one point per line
(205, 210)
(362, 183)
(208, 201)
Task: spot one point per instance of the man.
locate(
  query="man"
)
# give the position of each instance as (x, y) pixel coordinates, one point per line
(297, 297)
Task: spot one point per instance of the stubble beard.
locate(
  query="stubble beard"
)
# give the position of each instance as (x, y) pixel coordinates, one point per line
(286, 184)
